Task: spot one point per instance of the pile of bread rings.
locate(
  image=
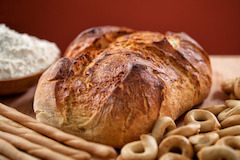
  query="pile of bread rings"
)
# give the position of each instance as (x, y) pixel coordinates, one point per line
(210, 133)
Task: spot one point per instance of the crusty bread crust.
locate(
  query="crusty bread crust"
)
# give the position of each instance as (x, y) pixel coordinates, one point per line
(116, 82)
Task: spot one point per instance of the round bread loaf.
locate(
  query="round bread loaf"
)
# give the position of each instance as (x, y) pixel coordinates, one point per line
(114, 83)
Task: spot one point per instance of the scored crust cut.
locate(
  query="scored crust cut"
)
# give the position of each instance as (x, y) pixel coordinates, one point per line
(114, 82)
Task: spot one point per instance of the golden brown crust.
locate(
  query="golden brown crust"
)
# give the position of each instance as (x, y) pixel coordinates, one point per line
(116, 82)
(94, 39)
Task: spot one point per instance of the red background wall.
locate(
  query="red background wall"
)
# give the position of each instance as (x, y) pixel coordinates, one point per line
(215, 24)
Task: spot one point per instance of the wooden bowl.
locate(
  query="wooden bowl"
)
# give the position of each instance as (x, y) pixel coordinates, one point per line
(18, 85)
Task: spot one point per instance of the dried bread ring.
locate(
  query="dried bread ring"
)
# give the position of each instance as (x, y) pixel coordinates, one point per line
(229, 112)
(231, 121)
(215, 109)
(232, 103)
(236, 88)
(146, 149)
(230, 131)
(162, 125)
(224, 114)
(173, 156)
(230, 141)
(206, 119)
(203, 140)
(187, 130)
(175, 143)
(227, 85)
(216, 153)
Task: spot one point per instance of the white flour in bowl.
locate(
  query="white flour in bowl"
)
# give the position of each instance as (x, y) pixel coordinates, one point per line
(22, 55)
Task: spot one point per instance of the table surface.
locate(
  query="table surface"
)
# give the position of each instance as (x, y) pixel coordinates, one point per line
(223, 67)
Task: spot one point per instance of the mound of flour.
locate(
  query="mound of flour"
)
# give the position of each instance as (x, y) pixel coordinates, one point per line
(21, 54)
